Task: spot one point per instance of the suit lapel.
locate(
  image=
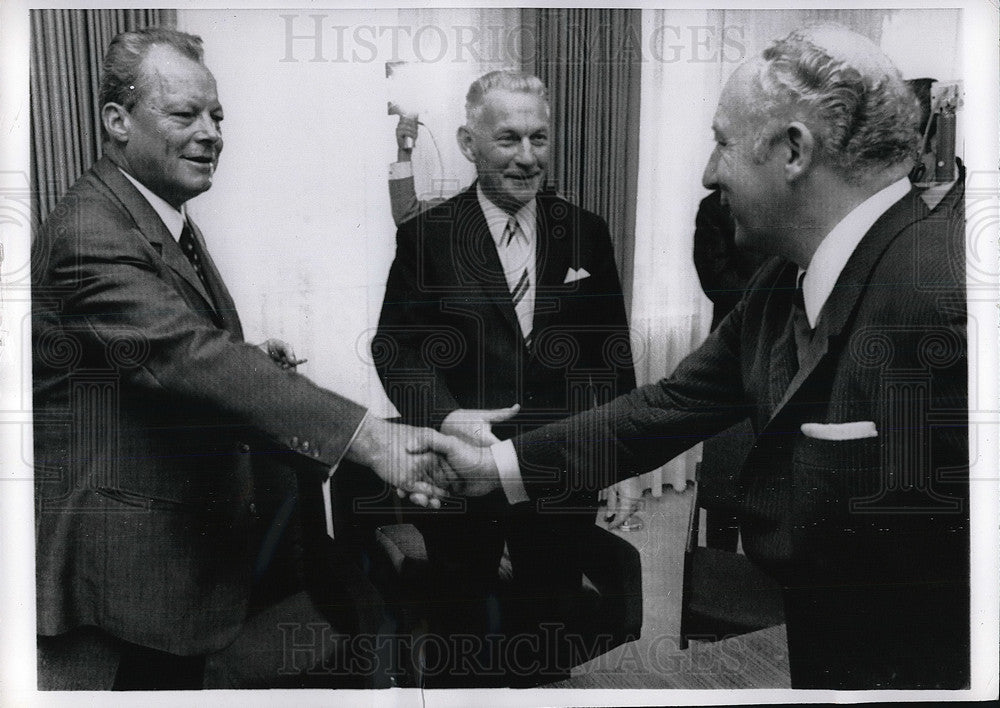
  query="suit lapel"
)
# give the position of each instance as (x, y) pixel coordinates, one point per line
(482, 259)
(225, 307)
(554, 246)
(150, 225)
(853, 280)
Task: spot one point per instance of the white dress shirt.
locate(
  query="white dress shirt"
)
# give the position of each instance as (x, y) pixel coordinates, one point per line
(837, 246)
(824, 269)
(172, 218)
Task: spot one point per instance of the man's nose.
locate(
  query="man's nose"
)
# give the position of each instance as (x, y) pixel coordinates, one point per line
(709, 179)
(526, 153)
(208, 129)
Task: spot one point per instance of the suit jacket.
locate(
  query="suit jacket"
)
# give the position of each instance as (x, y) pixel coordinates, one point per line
(148, 408)
(889, 348)
(448, 334)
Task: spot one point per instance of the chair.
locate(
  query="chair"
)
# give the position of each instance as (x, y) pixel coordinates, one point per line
(608, 607)
(723, 592)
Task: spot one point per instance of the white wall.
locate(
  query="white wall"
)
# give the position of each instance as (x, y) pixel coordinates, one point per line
(298, 218)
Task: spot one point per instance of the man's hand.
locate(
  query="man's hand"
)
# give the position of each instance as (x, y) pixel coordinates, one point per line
(473, 424)
(406, 136)
(468, 470)
(403, 456)
(281, 353)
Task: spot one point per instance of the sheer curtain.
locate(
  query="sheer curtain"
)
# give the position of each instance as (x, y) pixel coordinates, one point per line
(670, 314)
(592, 73)
(66, 51)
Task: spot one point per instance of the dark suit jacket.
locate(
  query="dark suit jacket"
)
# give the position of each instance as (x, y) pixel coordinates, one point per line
(448, 335)
(148, 407)
(885, 512)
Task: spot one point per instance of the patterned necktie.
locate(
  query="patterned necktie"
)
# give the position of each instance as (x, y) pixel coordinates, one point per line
(517, 245)
(800, 322)
(190, 248)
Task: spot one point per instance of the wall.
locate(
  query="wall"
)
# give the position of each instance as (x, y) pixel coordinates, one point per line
(298, 218)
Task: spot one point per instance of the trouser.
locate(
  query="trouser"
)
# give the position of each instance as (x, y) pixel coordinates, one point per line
(879, 636)
(464, 550)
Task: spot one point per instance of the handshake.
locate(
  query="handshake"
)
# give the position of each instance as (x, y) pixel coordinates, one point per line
(426, 465)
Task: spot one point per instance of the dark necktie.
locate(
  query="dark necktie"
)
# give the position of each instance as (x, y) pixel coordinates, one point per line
(800, 322)
(189, 245)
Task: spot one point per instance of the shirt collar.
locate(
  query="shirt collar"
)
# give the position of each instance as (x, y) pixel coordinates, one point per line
(836, 248)
(497, 218)
(172, 218)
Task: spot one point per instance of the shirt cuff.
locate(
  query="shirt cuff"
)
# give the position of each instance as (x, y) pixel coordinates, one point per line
(400, 170)
(327, 502)
(509, 471)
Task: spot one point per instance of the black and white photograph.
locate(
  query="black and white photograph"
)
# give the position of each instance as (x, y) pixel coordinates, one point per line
(559, 355)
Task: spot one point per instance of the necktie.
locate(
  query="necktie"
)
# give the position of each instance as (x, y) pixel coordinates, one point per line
(518, 248)
(190, 248)
(800, 321)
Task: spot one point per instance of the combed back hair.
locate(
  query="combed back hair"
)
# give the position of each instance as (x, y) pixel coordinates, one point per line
(864, 117)
(120, 80)
(503, 80)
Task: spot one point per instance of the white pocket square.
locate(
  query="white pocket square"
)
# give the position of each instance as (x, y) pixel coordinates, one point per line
(840, 431)
(574, 274)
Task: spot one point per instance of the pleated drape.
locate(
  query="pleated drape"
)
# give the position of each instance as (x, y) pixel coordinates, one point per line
(590, 61)
(66, 51)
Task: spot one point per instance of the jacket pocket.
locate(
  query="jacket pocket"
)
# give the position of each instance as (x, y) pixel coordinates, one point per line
(143, 501)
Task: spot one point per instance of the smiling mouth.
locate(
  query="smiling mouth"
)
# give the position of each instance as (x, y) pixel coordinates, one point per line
(205, 160)
(523, 178)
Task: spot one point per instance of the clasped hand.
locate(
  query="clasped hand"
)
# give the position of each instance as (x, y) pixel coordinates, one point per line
(426, 465)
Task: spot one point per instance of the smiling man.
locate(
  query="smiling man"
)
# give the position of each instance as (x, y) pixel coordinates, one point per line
(505, 294)
(152, 413)
(847, 351)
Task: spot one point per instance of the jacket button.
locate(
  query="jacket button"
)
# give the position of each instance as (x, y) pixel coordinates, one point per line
(253, 508)
(305, 445)
(295, 442)
(244, 448)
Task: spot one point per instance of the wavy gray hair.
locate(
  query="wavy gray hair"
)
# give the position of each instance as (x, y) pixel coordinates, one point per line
(503, 80)
(864, 117)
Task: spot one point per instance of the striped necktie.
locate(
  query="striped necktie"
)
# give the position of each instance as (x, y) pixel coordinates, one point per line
(514, 238)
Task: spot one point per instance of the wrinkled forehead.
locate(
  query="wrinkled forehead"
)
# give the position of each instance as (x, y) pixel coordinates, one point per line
(500, 104)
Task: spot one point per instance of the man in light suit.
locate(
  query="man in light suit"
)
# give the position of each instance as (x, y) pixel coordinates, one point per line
(150, 411)
(848, 352)
(505, 294)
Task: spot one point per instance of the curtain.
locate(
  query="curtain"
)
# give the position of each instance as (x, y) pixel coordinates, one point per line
(67, 47)
(590, 63)
(670, 314)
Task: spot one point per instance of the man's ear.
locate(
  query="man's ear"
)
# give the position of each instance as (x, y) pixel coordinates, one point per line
(801, 146)
(117, 122)
(464, 137)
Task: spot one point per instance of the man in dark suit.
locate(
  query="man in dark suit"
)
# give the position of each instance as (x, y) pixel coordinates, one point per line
(848, 352)
(150, 411)
(505, 294)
